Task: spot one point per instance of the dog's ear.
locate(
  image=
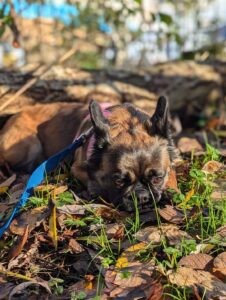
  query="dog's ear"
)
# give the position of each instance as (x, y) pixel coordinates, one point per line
(100, 124)
(160, 125)
(160, 118)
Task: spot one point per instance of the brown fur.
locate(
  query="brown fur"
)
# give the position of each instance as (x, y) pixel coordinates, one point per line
(128, 143)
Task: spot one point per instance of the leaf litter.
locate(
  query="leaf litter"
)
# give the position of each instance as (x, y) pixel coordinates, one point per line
(60, 245)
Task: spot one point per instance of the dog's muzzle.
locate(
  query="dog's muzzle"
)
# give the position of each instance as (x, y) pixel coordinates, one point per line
(142, 197)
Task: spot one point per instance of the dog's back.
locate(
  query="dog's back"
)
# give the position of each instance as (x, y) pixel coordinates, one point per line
(20, 144)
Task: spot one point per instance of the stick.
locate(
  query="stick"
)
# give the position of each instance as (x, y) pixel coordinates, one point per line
(39, 74)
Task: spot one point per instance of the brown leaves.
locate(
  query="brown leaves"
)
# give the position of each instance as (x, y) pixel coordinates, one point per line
(75, 246)
(220, 266)
(22, 287)
(197, 261)
(6, 184)
(188, 277)
(154, 235)
(186, 145)
(212, 166)
(172, 181)
(136, 280)
(15, 251)
(31, 218)
(172, 214)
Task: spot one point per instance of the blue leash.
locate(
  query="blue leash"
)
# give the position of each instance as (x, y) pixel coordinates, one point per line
(39, 174)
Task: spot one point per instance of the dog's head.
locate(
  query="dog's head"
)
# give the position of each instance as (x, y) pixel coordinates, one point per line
(132, 155)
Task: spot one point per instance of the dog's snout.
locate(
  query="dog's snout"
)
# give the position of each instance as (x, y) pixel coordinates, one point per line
(143, 197)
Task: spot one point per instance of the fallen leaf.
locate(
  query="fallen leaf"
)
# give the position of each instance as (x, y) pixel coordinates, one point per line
(212, 167)
(109, 214)
(197, 261)
(187, 197)
(129, 255)
(16, 187)
(203, 248)
(75, 246)
(31, 218)
(134, 281)
(44, 188)
(154, 234)
(186, 145)
(14, 197)
(53, 226)
(58, 190)
(172, 181)
(171, 214)
(211, 285)
(15, 251)
(73, 209)
(156, 292)
(5, 289)
(8, 181)
(25, 257)
(219, 264)
(80, 286)
(218, 195)
(22, 286)
(115, 231)
(3, 189)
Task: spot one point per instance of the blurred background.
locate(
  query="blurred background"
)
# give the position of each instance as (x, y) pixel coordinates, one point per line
(128, 34)
(116, 51)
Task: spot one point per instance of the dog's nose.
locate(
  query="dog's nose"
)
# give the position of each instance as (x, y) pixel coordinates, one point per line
(143, 197)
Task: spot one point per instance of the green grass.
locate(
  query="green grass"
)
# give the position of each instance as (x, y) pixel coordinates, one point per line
(203, 217)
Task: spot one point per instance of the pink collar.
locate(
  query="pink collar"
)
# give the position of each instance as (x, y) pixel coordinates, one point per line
(104, 106)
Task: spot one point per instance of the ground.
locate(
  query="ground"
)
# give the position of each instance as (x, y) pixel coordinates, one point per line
(63, 247)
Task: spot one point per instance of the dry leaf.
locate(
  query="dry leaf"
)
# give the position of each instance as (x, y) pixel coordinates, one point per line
(197, 261)
(53, 225)
(15, 251)
(80, 286)
(129, 255)
(58, 190)
(134, 281)
(203, 248)
(44, 188)
(172, 181)
(109, 214)
(220, 266)
(115, 231)
(208, 282)
(5, 289)
(212, 167)
(186, 145)
(25, 257)
(218, 195)
(73, 209)
(154, 234)
(8, 181)
(75, 246)
(171, 214)
(31, 218)
(22, 286)
(15, 197)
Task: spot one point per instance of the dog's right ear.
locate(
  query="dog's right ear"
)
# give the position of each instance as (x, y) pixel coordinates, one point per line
(100, 124)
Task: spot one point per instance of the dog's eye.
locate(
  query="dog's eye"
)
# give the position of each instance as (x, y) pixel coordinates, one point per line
(119, 183)
(156, 180)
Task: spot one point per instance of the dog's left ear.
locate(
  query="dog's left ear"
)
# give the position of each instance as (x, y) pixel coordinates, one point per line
(160, 125)
(160, 118)
(100, 124)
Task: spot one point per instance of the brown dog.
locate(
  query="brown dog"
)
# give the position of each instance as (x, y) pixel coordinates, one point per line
(132, 153)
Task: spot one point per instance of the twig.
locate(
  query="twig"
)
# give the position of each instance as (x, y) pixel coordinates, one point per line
(41, 71)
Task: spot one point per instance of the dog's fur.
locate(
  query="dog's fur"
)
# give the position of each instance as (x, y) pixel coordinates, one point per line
(132, 154)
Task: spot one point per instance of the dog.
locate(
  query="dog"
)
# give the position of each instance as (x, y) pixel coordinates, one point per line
(131, 154)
